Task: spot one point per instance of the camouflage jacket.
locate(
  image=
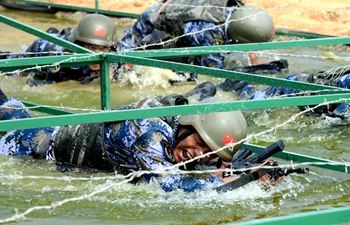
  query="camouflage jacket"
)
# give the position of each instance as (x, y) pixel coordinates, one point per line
(181, 18)
(341, 80)
(147, 142)
(41, 47)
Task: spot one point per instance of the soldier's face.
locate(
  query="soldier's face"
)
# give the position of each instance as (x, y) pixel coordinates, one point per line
(97, 49)
(191, 147)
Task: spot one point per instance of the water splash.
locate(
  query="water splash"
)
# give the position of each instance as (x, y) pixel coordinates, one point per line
(148, 77)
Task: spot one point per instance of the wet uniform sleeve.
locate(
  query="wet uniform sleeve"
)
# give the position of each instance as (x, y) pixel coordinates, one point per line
(142, 27)
(13, 109)
(20, 142)
(209, 37)
(274, 90)
(212, 35)
(42, 47)
(151, 150)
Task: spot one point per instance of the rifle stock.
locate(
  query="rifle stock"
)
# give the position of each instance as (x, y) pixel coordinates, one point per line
(259, 157)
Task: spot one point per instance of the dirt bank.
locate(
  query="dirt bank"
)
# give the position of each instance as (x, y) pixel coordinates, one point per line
(322, 16)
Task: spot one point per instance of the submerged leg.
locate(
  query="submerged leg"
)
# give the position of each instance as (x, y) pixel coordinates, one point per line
(231, 85)
(205, 90)
(272, 67)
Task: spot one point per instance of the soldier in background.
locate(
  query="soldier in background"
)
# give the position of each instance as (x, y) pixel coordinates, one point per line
(95, 32)
(190, 23)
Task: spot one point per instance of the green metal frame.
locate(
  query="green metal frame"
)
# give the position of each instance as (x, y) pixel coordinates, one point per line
(153, 59)
(334, 216)
(63, 118)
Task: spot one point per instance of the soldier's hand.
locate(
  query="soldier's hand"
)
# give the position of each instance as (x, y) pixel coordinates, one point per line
(222, 166)
(272, 177)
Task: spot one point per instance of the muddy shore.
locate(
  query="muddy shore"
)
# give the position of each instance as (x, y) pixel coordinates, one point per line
(325, 17)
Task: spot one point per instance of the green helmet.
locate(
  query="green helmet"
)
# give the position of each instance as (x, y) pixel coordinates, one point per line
(95, 29)
(250, 24)
(218, 129)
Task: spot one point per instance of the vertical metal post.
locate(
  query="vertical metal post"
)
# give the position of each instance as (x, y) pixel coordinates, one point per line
(97, 6)
(105, 85)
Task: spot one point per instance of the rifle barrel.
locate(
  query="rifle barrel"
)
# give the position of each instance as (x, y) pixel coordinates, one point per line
(267, 152)
(243, 154)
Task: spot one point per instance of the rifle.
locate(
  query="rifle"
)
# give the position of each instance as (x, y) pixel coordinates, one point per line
(241, 162)
(259, 157)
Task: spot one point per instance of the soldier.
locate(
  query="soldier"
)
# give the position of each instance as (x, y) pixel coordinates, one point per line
(188, 23)
(141, 144)
(95, 32)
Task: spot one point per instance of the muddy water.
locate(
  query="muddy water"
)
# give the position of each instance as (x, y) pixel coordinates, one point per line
(146, 203)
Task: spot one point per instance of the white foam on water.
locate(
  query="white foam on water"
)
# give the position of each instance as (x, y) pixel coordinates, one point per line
(146, 77)
(250, 195)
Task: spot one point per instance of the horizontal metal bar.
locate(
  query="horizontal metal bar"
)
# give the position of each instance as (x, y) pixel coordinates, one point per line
(325, 217)
(106, 116)
(10, 65)
(42, 34)
(302, 34)
(214, 72)
(295, 157)
(46, 109)
(206, 50)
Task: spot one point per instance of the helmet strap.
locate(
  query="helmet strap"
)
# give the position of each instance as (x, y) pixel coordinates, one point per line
(231, 7)
(189, 130)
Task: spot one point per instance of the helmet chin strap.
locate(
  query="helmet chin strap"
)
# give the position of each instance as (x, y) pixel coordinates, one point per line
(227, 22)
(189, 130)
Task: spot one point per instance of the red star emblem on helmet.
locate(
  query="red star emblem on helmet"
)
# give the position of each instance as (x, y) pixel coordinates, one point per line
(100, 32)
(228, 139)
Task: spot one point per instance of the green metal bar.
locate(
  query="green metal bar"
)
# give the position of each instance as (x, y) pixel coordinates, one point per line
(301, 34)
(107, 116)
(83, 59)
(9, 65)
(291, 101)
(105, 86)
(94, 9)
(295, 157)
(97, 6)
(44, 109)
(41, 34)
(206, 50)
(214, 72)
(324, 217)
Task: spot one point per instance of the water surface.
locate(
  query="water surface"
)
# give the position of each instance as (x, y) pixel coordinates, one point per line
(147, 203)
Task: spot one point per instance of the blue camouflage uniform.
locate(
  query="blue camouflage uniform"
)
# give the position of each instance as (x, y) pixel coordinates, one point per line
(146, 143)
(21, 142)
(145, 25)
(42, 47)
(253, 93)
